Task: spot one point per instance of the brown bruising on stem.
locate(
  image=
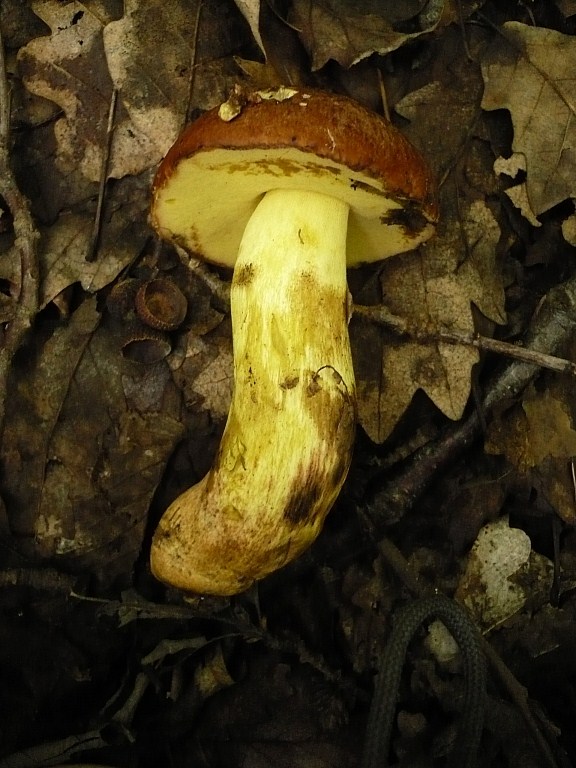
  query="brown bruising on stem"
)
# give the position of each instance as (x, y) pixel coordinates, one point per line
(218, 538)
(244, 275)
(318, 483)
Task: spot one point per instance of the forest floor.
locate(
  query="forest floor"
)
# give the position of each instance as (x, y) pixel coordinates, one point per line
(462, 479)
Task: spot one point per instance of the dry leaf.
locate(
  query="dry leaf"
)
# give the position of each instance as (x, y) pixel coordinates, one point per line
(80, 466)
(205, 372)
(69, 68)
(214, 383)
(154, 89)
(250, 9)
(66, 243)
(539, 440)
(569, 229)
(518, 194)
(89, 53)
(502, 575)
(431, 290)
(273, 726)
(191, 65)
(260, 76)
(532, 72)
(434, 290)
(348, 32)
(541, 430)
(567, 7)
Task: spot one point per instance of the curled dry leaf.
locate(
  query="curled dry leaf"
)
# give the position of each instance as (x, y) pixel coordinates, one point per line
(250, 9)
(531, 72)
(348, 31)
(539, 440)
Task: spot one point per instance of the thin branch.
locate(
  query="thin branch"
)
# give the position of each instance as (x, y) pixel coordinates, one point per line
(383, 94)
(193, 65)
(381, 316)
(551, 328)
(97, 227)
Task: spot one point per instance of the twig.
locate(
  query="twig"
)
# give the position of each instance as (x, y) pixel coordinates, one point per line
(97, 227)
(51, 752)
(383, 94)
(25, 243)
(551, 328)
(381, 316)
(220, 288)
(193, 58)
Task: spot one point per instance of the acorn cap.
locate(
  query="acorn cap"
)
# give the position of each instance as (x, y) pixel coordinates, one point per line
(212, 179)
(161, 304)
(145, 345)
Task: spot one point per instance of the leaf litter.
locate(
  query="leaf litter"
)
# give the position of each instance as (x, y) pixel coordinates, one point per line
(94, 446)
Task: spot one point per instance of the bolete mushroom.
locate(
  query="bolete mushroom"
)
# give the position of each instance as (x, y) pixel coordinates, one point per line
(289, 188)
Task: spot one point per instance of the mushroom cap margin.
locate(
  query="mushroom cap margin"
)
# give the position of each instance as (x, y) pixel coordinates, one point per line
(213, 177)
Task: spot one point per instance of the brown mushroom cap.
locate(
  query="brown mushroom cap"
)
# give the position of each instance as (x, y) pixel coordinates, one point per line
(212, 179)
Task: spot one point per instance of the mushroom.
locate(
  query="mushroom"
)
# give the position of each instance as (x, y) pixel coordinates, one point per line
(289, 188)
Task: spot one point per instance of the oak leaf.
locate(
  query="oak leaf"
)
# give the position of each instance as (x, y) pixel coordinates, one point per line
(531, 72)
(154, 89)
(348, 32)
(69, 67)
(539, 440)
(433, 291)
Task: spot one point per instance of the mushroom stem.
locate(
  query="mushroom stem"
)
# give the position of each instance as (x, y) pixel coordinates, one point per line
(288, 440)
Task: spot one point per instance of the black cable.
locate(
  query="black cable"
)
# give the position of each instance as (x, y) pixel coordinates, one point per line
(381, 718)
